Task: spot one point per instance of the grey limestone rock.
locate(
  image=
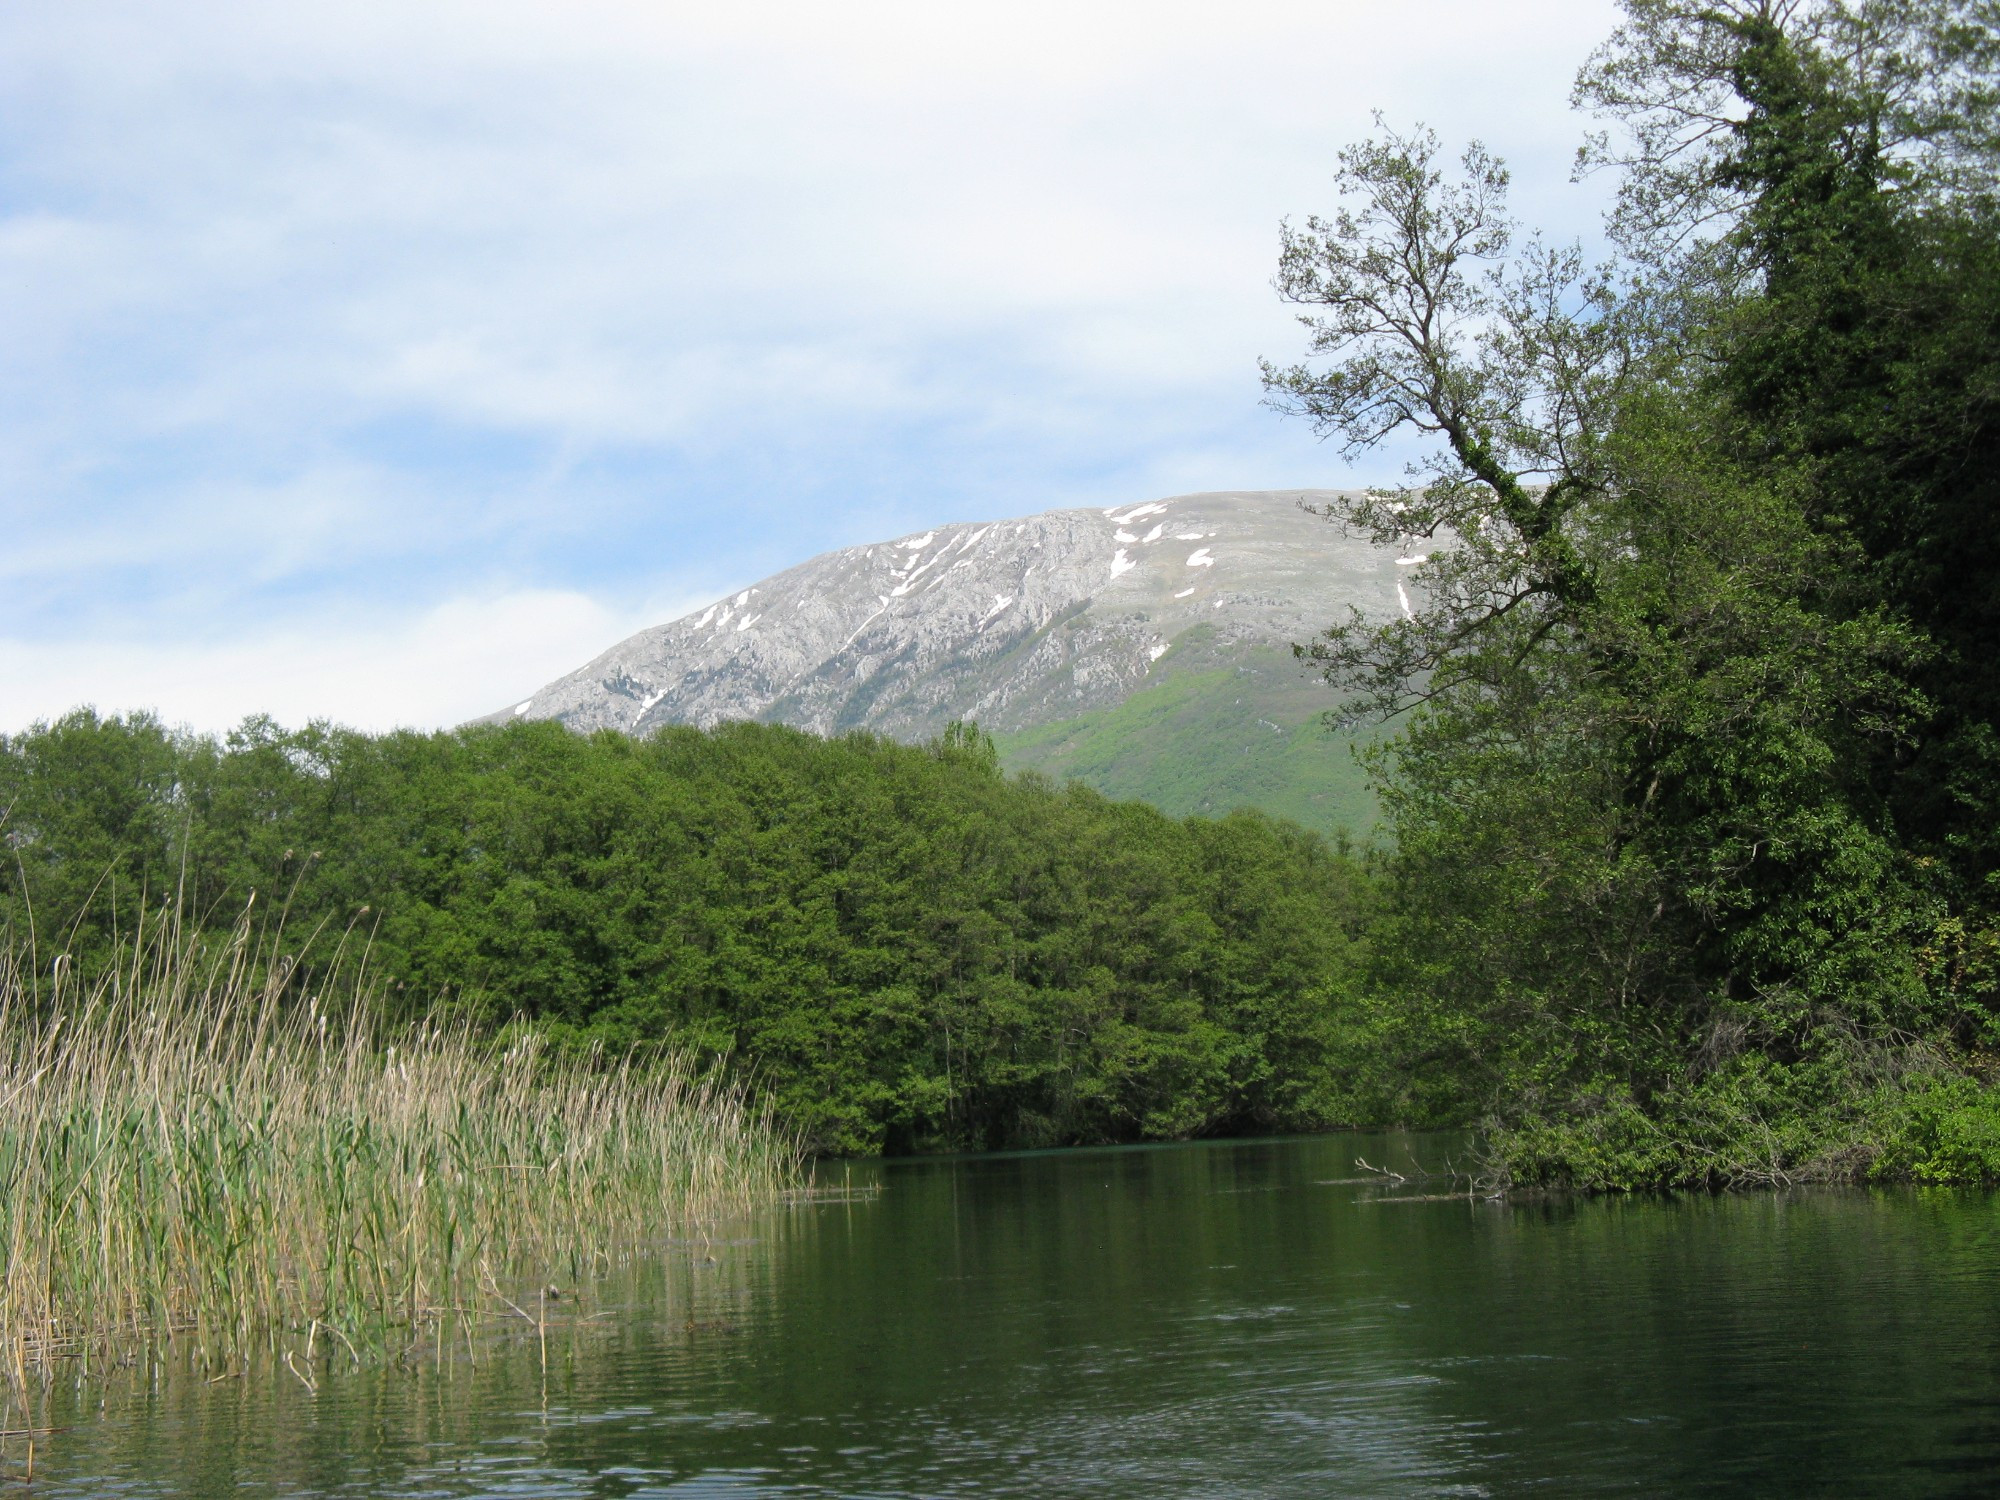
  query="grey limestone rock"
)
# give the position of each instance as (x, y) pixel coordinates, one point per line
(1011, 623)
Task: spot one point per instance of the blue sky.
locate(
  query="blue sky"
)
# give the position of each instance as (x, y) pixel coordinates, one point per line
(380, 361)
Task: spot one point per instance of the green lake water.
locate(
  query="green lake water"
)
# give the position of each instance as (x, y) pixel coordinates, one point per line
(1226, 1319)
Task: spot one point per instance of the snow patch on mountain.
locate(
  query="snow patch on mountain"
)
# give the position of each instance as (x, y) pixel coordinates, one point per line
(1012, 623)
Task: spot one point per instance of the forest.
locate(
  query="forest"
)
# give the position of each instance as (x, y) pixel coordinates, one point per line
(904, 948)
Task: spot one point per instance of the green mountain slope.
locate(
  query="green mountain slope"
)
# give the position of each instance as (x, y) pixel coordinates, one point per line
(1207, 738)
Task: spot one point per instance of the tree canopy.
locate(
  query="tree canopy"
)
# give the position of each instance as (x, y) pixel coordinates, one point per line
(1695, 812)
(905, 947)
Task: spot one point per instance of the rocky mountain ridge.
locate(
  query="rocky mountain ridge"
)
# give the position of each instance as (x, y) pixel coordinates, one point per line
(1016, 624)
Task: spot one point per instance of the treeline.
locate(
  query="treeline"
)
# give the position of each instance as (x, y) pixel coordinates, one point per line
(1697, 808)
(906, 948)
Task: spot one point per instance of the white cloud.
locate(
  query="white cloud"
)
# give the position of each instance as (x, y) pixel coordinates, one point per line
(426, 669)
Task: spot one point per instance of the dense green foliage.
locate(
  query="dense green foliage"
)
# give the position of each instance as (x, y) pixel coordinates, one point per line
(1699, 861)
(906, 947)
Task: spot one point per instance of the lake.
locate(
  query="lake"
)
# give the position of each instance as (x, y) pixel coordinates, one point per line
(1222, 1319)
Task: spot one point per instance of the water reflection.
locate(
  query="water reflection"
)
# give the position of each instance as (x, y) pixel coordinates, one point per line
(1219, 1320)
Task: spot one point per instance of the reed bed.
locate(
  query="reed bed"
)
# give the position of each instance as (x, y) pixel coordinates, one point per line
(194, 1153)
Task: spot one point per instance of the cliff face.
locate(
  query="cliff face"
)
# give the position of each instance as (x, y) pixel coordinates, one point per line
(1016, 624)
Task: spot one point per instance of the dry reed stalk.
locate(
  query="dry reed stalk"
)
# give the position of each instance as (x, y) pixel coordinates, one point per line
(190, 1154)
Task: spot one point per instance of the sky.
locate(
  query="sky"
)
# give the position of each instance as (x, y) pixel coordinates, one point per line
(378, 362)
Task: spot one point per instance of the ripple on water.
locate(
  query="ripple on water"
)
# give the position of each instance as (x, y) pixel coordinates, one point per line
(1218, 1320)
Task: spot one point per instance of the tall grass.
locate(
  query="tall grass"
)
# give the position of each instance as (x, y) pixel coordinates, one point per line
(192, 1152)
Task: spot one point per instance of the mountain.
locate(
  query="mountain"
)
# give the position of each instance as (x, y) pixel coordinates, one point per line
(1144, 649)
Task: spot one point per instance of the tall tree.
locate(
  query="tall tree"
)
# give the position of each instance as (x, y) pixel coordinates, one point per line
(1675, 689)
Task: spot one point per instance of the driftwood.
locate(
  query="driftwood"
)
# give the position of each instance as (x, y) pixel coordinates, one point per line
(1474, 1186)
